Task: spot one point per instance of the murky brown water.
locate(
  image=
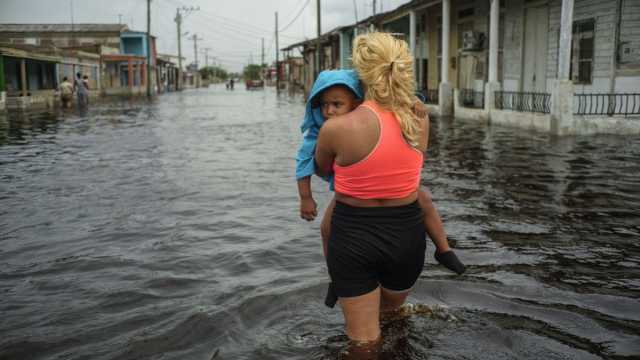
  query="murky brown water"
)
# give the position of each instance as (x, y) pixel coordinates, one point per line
(169, 230)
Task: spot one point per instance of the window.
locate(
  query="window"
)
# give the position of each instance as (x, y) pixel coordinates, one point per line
(582, 49)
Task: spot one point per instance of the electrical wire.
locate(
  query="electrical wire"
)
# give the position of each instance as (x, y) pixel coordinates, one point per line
(295, 18)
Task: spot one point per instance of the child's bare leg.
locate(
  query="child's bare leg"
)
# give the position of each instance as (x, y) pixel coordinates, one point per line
(433, 223)
(325, 226)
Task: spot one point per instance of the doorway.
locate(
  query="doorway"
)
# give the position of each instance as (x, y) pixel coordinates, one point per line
(534, 69)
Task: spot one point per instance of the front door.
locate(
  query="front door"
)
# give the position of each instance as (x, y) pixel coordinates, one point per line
(534, 71)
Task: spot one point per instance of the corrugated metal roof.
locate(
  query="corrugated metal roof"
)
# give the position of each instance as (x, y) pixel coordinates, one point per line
(24, 53)
(63, 27)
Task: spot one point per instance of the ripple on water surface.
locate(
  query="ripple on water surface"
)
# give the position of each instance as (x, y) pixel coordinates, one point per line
(169, 229)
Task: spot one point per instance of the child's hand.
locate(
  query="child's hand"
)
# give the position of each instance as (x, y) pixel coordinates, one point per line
(308, 209)
(420, 109)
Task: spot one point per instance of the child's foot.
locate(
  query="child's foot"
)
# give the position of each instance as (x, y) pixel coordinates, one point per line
(449, 260)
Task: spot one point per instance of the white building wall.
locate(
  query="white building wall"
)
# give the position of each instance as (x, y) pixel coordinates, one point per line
(513, 41)
(628, 73)
(604, 13)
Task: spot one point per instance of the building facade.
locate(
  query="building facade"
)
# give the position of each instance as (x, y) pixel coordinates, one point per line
(560, 66)
(29, 78)
(121, 65)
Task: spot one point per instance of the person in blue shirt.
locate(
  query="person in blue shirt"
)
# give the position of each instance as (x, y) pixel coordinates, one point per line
(334, 93)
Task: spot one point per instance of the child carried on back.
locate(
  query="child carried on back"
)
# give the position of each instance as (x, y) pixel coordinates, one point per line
(334, 93)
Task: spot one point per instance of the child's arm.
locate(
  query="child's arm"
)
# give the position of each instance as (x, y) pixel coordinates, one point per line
(308, 206)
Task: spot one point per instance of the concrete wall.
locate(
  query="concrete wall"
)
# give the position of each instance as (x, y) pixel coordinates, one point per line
(523, 120)
(38, 99)
(479, 115)
(125, 91)
(433, 110)
(615, 125)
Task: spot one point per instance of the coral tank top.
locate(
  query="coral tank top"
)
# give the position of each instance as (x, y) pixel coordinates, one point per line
(390, 171)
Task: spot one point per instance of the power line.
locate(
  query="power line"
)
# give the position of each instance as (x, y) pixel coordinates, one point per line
(235, 25)
(296, 17)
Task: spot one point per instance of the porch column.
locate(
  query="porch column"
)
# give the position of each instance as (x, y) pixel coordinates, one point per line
(143, 74)
(493, 85)
(562, 90)
(446, 14)
(99, 78)
(493, 40)
(2, 86)
(130, 74)
(412, 38)
(23, 76)
(446, 89)
(564, 54)
(341, 49)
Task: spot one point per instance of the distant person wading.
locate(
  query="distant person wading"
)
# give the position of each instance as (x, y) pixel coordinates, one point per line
(82, 92)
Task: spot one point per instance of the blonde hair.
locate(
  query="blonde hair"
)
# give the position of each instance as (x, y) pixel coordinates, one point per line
(385, 66)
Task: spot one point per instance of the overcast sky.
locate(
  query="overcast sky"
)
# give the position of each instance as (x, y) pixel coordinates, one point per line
(232, 29)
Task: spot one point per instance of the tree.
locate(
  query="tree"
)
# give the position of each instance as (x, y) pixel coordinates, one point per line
(213, 72)
(252, 72)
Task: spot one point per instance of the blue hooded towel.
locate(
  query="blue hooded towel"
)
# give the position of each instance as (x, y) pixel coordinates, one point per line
(313, 119)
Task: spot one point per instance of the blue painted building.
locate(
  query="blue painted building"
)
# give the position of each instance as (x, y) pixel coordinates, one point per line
(135, 43)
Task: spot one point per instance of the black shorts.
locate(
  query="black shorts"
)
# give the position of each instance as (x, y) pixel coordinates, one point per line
(375, 246)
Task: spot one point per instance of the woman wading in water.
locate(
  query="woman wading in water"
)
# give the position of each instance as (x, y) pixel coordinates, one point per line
(377, 244)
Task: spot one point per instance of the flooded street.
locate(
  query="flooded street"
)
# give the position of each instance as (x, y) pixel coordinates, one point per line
(170, 230)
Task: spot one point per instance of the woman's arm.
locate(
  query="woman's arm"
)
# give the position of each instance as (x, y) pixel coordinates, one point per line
(325, 153)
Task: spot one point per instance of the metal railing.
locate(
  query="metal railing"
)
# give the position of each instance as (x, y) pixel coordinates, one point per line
(471, 99)
(523, 101)
(606, 104)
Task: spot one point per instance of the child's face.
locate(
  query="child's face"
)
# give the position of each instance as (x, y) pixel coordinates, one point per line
(336, 101)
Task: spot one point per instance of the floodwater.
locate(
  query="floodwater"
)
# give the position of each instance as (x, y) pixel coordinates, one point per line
(169, 230)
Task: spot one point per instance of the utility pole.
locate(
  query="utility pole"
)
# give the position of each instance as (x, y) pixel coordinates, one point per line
(73, 34)
(262, 62)
(148, 48)
(206, 56)
(277, 52)
(195, 48)
(317, 69)
(178, 20)
(355, 10)
(374, 7)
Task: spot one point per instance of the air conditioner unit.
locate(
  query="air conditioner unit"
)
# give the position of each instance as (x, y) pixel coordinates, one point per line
(472, 40)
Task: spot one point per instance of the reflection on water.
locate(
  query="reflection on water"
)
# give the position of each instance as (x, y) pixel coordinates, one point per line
(169, 229)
